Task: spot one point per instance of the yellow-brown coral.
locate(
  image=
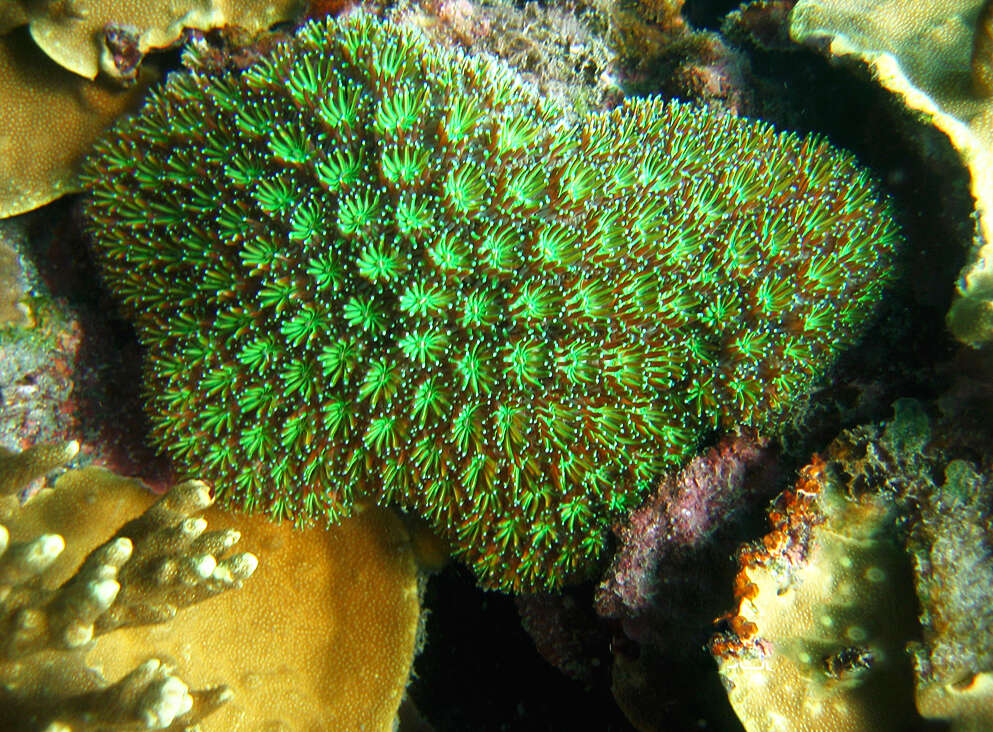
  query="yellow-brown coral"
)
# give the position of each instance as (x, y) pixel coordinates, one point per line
(969, 704)
(825, 605)
(321, 637)
(935, 56)
(49, 118)
(74, 34)
(894, 495)
(55, 601)
(19, 469)
(981, 61)
(50, 114)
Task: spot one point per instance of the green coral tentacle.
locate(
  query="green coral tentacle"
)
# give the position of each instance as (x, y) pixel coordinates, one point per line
(369, 266)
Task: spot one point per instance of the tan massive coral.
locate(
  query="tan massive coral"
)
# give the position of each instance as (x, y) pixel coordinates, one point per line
(53, 106)
(938, 57)
(322, 636)
(56, 597)
(87, 36)
(871, 600)
(49, 118)
(825, 605)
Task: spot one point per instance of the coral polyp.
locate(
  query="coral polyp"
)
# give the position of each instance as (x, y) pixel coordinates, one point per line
(371, 266)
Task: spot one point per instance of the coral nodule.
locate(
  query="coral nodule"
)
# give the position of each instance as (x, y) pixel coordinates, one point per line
(371, 266)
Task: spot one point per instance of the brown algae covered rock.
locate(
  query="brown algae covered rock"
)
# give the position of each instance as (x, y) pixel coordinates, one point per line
(658, 595)
(952, 548)
(14, 311)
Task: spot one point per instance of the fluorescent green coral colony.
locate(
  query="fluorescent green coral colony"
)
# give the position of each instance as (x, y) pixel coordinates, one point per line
(370, 266)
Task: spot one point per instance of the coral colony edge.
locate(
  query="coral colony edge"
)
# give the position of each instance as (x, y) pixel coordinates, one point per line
(370, 266)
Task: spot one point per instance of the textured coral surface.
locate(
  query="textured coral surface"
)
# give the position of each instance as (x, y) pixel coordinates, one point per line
(63, 585)
(372, 266)
(924, 52)
(38, 163)
(824, 610)
(828, 633)
(321, 637)
(84, 36)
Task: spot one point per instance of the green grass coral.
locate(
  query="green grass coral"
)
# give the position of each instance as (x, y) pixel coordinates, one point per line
(371, 266)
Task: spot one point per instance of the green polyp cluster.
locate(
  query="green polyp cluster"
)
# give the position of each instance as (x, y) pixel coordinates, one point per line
(367, 266)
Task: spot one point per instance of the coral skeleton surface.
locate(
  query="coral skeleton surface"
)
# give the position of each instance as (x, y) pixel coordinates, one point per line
(372, 266)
